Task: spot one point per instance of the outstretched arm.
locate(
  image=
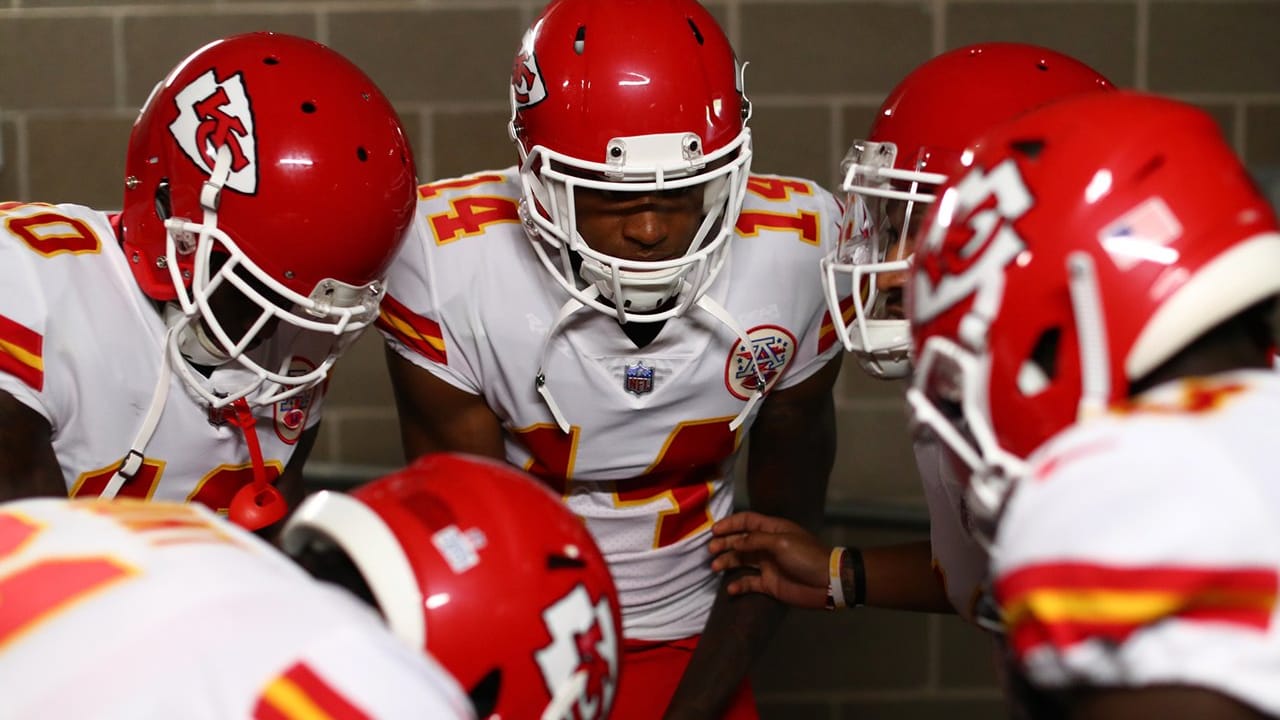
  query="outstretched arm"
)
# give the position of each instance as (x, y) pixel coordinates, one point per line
(792, 565)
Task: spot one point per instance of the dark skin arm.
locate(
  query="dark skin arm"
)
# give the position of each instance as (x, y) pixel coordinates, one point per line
(792, 451)
(901, 577)
(793, 566)
(28, 466)
(1165, 701)
(436, 416)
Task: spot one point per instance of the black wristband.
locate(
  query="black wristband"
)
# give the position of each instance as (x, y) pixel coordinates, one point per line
(855, 557)
(853, 577)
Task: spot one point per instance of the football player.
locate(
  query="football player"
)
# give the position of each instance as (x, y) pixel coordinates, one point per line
(619, 313)
(177, 350)
(486, 569)
(1091, 316)
(889, 180)
(131, 609)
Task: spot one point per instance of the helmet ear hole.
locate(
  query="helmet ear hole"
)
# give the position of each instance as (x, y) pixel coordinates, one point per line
(484, 694)
(164, 205)
(1039, 370)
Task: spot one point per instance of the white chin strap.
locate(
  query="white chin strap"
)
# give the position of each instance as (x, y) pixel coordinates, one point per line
(132, 462)
(705, 302)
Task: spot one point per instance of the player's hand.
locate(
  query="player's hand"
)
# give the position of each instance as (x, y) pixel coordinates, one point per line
(792, 562)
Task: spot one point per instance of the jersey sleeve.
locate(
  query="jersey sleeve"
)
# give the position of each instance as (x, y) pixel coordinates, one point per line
(1139, 558)
(25, 341)
(426, 315)
(818, 342)
(957, 557)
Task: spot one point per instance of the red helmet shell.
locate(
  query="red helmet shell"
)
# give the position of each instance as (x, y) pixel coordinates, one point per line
(592, 70)
(1144, 189)
(535, 558)
(947, 102)
(323, 181)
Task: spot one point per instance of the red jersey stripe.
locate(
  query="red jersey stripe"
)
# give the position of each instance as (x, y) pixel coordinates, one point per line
(827, 332)
(301, 694)
(22, 353)
(1061, 604)
(415, 331)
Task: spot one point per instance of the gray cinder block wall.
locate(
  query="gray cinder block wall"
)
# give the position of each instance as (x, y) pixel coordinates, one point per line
(72, 75)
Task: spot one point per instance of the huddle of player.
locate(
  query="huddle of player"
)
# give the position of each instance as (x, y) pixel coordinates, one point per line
(1077, 281)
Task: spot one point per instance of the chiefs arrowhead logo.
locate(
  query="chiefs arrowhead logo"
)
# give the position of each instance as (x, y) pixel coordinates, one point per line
(582, 656)
(980, 211)
(214, 113)
(527, 88)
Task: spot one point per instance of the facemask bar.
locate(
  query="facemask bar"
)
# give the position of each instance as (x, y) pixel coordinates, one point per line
(632, 290)
(880, 341)
(333, 308)
(992, 469)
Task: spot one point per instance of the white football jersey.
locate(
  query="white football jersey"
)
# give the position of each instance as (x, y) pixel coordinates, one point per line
(129, 609)
(1143, 548)
(649, 456)
(959, 558)
(82, 345)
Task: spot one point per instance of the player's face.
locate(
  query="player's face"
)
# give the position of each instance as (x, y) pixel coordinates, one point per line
(237, 313)
(898, 246)
(643, 226)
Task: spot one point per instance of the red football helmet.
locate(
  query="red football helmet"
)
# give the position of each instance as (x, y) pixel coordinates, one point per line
(1087, 243)
(489, 571)
(914, 146)
(272, 164)
(629, 96)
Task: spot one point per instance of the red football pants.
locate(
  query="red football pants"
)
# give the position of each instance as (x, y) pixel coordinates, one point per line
(650, 673)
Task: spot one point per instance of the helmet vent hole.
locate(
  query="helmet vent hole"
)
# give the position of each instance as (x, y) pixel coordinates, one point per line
(362, 154)
(556, 561)
(271, 60)
(697, 34)
(1148, 168)
(580, 39)
(308, 107)
(1028, 148)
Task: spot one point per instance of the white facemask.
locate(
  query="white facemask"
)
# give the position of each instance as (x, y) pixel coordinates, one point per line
(192, 340)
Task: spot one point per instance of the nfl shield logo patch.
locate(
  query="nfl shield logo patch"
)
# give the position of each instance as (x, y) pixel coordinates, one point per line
(638, 379)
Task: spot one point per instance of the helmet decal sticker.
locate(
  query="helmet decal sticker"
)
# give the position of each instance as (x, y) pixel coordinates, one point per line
(214, 113)
(979, 268)
(582, 641)
(1143, 233)
(526, 79)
